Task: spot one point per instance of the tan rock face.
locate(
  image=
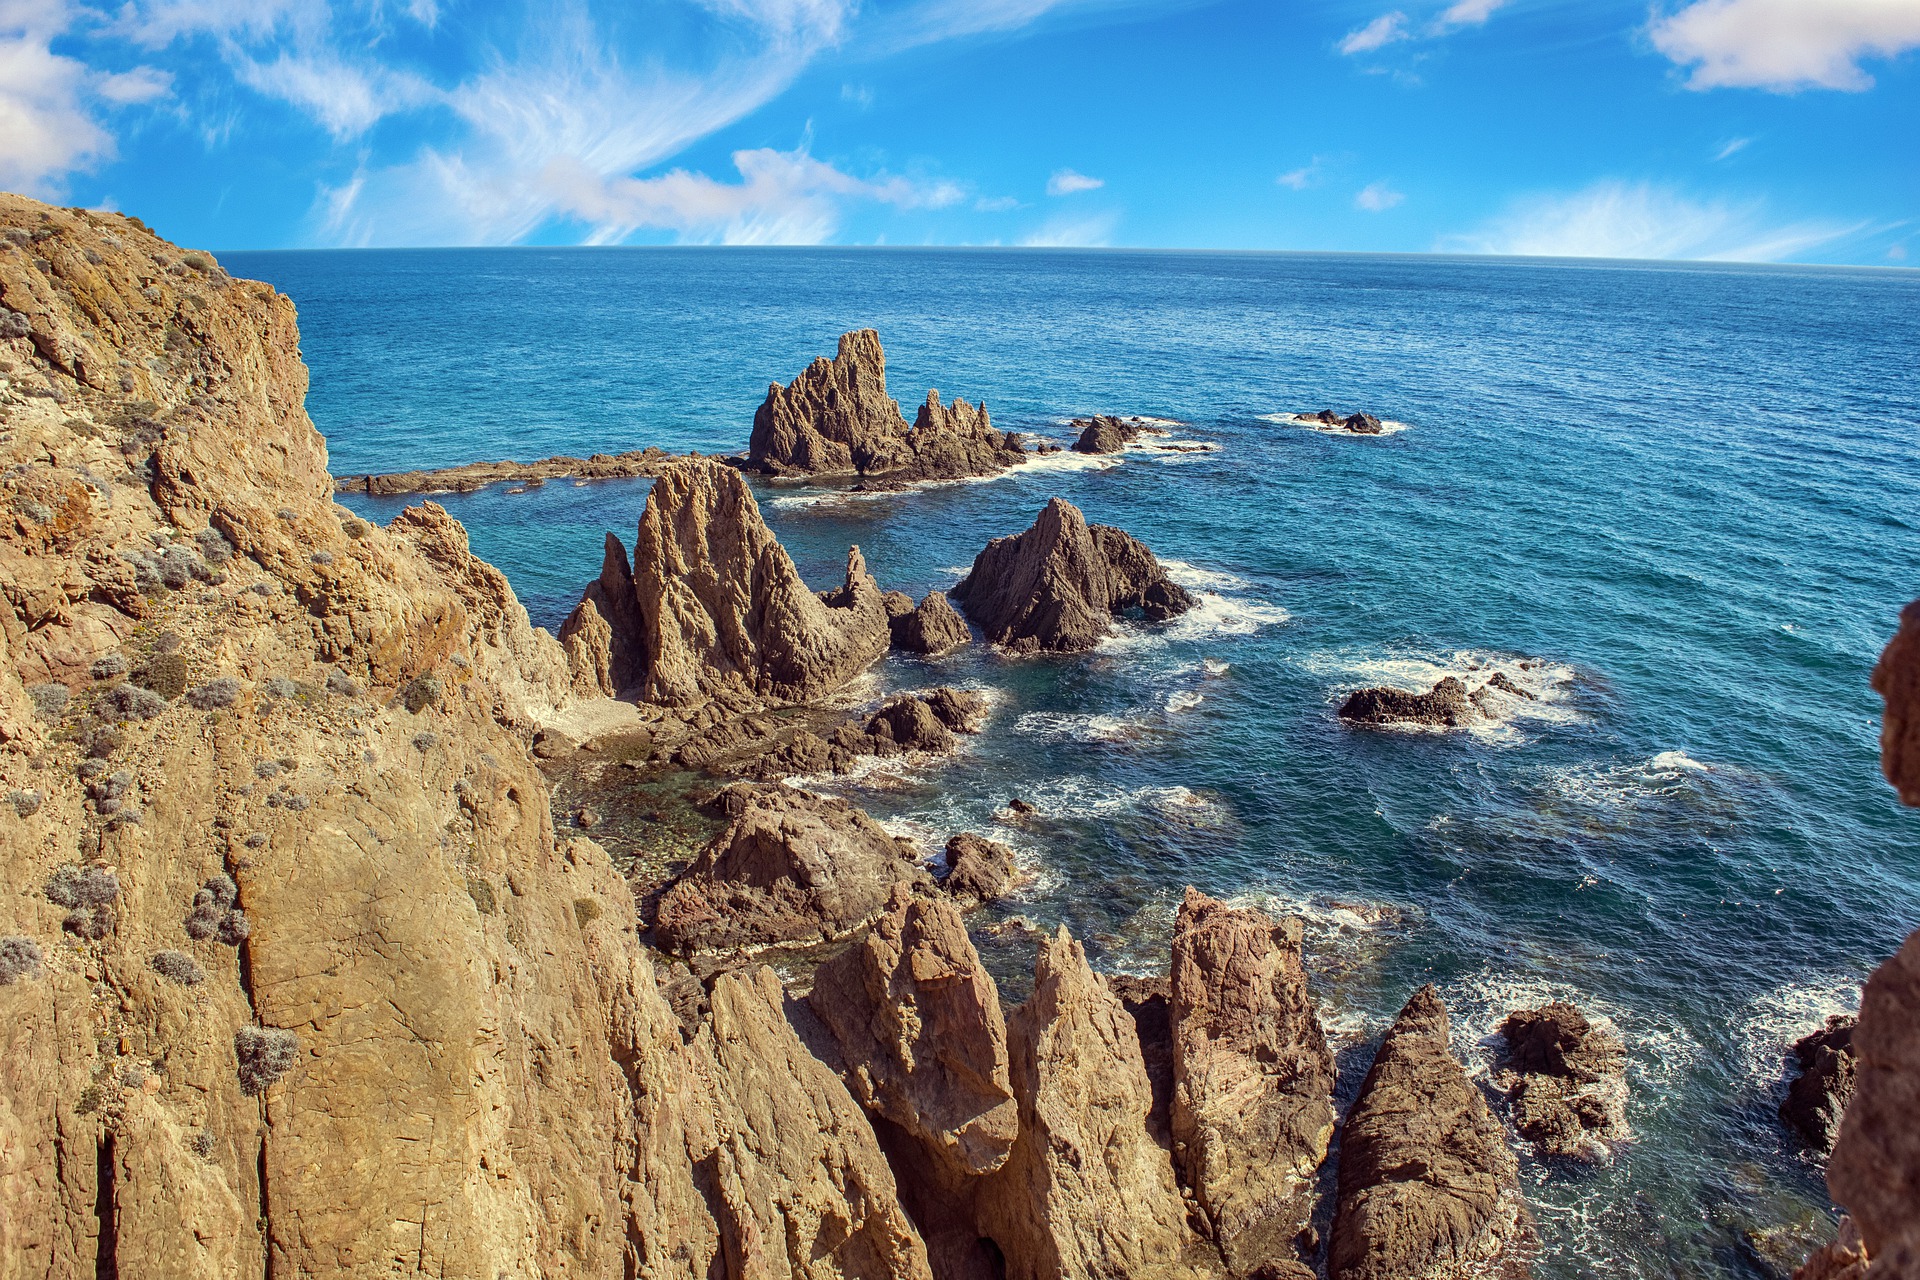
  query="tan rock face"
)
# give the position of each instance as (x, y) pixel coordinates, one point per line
(1253, 1079)
(1875, 1167)
(932, 627)
(716, 609)
(1897, 679)
(918, 1022)
(1428, 1188)
(1085, 1192)
(837, 419)
(1058, 586)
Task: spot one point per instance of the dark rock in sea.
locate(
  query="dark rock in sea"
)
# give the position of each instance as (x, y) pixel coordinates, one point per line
(1359, 424)
(932, 627)
(1446, 705)
(1104, 435)
(1428, 1188)
(961, 710)
(1875, 1166)
(1499, 680)
(1058, 586)
(1021, 807)
(911, 722)
(1566, 1079)
(837, 419)
(917, 1021)
(790, 867)
(1253, 1081)
(1818, 1097)
(713, 606)
(979, 870)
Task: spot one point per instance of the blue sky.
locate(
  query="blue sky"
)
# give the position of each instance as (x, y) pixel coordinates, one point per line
(1760, 130)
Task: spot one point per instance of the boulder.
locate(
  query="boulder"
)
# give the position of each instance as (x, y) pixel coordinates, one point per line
(790, 867)
(979, 870)
(1446, 705)
(918, 1024)
(1818, 1096)
(961, 710)
(908, 724)
(1566, 1079)
(717, 607)
(837, 419)
(1428, 1189)
(1362, 424)
(1102, 434)
(1085, 1192)
(1253, 1081)
(932, 627)
(1058, 586)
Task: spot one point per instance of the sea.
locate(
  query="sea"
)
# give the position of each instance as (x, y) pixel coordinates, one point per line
(1679, 504)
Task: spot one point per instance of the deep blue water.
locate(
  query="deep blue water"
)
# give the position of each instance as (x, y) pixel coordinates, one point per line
(1690, 493)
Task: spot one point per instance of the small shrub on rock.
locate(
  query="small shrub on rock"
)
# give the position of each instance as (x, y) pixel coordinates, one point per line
(92, 767)
(482, 894)
(13, 324)
(202, 1144)
(297, 803)
(178, 966)
(49, 700)
(129, 702)
(109, 666)
(425, 742)
(420, 694)
(265, 588)
(102, 742)
(223, 691)
(323, 557)
(165, 674)
(19, 957)
(265, 1054)
(179, 566)
(343, 684)
(110, 793)
(357, 529)
(267, 769)
(256, 840)
(280, 687)
(78, 887)
(214, 914)
(25, 803)
(585, 911)
(213, 545)
(168, 642)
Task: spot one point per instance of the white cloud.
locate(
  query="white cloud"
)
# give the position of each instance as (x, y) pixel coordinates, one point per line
(1302, 178)
(1785, 45)
(1382, 31)
(1613, 219)
(1470, 13)
(1074, 233)
(345, 99)
(1377, 197)
(1732, 146)
(1066, 182)
(996, 204)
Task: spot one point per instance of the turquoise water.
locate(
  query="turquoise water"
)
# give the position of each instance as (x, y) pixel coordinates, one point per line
(1690, 494)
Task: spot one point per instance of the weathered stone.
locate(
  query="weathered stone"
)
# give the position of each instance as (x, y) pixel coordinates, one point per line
(1059, 585)
(1252, 1106)
(472, 476)
(932, 627)
(1102, 434)
(1818, 1096)
(1428, 1188)
(908, 724)
(1896, 678)
(1566, 1078)
(1875, 1167)
(979, 870)
(1446, 705)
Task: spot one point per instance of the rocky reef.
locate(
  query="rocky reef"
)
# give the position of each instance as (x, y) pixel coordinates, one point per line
(1566, 1081)
(1103, 434)
(1447, 705)
(1818, 1096)
(471, 477)
(836, 419)
(1059, 586)
(1355, 424)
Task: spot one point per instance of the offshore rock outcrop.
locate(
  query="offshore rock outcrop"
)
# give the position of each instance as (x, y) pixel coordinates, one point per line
(471, 477)
(717, 608)
(1818, 1096)
(1428, 1188)
(1358, 424)
(1102, 434)
(836, 419)
(1085, 1191)
(979, 870)
(1058, 586)
(1253, 1078)
(1444, 706)
(1566, 1079)
(790, 867)
(930, 628)
(925, 722)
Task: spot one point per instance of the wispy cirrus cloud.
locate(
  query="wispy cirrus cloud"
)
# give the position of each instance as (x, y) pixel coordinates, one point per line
(1396, 27)
(1065, 182)
(1092, 232)
(1388, 28)
(54, 108)
(1785, 45)
(1615, 219)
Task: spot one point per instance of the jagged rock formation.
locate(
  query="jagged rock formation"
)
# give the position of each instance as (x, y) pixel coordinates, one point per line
(1428, 1188)
(1566, 1079)
(918, 1024)
(717, 609)
(1359, 424)
(1085, 1192)
(1818, 1096)
(932, 627)
(913, 722)
(837, 419)
(1896, 678)
(979, 870)
(1444, 706)
(471, 477)
(1102, 434)
(1059, 585)
(1253, 1082)
(791, 867)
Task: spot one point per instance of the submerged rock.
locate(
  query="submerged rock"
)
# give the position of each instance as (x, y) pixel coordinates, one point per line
(1058, 586)
(717, 608)
(1253, 1081)
(1567, 1081)
(1103, 434)
(790, 867)
(917, 1020)
(932, 627)
(1446, 705)
(837, 419)
(1428, 1188)
(1817, 1099)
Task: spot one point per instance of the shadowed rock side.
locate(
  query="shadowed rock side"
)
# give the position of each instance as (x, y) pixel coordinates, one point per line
(1875, 1167)
(930, 628)
(1428, 1188)
(836, 419)
(979, 870)
(1896, 678)
(1102, 434)
(790, 867)
(1818, 1096)
(1253, 1082)
(719, 608)
(1567, 1081)
(1058, 586)
(1085, 1192)
(920, 1032)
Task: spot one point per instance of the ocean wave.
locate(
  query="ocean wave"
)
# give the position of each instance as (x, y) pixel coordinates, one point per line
(1081, 796)
(1184, 700)
(1764, 1036)
(1060, 726)
(1388, 427)
(1601, 785)
(1213, 616)
(1195, 578)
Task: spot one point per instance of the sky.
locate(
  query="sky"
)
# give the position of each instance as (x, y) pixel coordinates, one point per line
(1748, 130)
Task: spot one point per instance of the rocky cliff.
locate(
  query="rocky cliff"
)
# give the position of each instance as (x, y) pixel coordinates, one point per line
(836, 419)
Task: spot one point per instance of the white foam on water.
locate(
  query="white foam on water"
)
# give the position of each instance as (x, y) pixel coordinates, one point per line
(1772, 1022)
(1388, 427)
(1082, 796)
(1215, 666)
(1552, 685)
(1213, 616)
(1061, 726)
(1670, 773)
(1195, 578)
(1183, 700)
